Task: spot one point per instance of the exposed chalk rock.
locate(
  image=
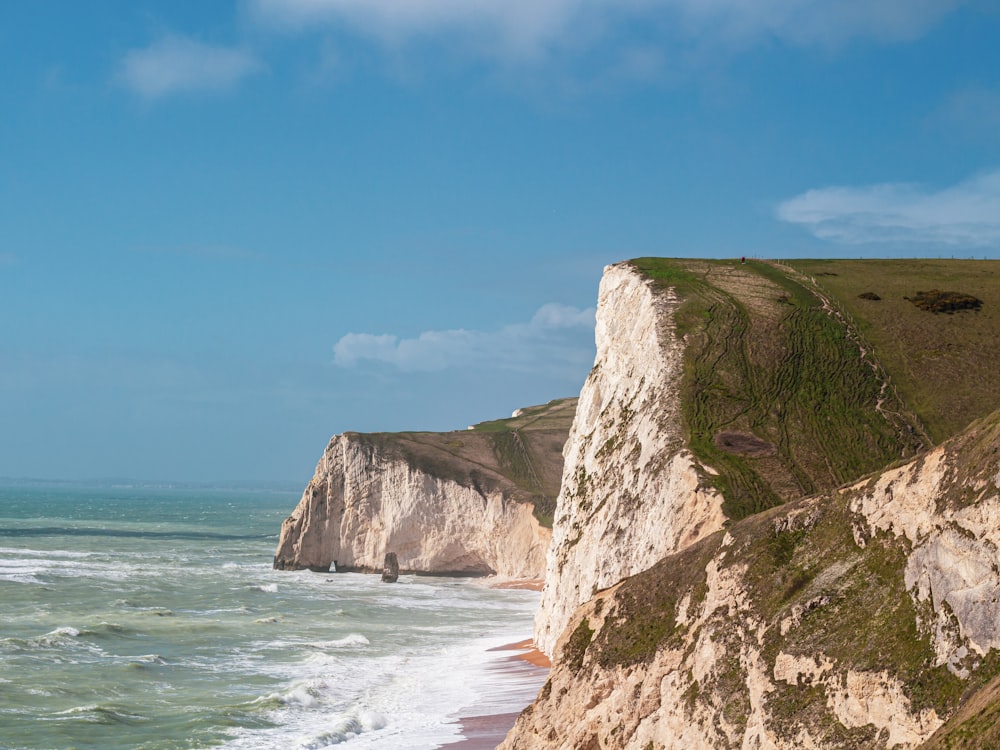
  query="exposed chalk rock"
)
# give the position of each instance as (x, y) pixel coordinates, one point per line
(626, 470)
(367, 496)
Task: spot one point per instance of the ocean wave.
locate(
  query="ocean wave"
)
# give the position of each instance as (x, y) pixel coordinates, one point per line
(104, 629)
(306, 694)
(267, 588)
(22, 552)
(350, 640)
(98, 714)
(20, 578)
(344, 729)
(29, 569)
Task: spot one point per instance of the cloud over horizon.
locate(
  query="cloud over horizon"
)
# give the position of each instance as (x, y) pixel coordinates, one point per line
(558, 337)
(176, 64)
(967, 213)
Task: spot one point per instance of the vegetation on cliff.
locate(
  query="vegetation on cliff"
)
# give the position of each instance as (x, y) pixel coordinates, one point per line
(801, 622)
(807, 386)
(781, 396)
(943, 366)
(521, 455)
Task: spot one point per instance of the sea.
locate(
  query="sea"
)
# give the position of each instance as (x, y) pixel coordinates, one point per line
(138, 616)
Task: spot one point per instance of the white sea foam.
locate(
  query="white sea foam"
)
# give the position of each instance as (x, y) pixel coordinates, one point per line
(56, 553)
(355, 664)
(149, 659)
(70, 631)
(344, 729)
(34, 568)
(348, 641)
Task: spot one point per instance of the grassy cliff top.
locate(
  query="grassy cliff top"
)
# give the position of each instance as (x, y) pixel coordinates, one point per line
(805, 375)
(520, 455)
(946, 366)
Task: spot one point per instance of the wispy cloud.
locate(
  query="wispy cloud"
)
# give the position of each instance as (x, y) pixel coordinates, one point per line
(176, 64)
(974, 111)
(967, 213)
(528, 29)
(556, 338)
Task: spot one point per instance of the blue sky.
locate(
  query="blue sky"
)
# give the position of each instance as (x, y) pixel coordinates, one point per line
(229, 230)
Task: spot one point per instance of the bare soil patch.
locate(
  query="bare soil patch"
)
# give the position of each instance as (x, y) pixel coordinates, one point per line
(743, 444)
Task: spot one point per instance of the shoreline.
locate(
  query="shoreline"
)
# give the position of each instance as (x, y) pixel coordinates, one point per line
(484, 731)
(521, 584)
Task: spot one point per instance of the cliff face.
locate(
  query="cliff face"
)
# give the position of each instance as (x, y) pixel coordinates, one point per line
(631, 491)
(718, 390)
(720, 575)
(464, 502)
(858, 618)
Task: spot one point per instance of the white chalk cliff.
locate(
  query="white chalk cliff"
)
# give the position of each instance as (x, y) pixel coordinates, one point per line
(862, 616)
(366, 500)
(631, 492)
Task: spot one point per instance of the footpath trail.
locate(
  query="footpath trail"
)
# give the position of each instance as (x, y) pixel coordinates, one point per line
(905, 420)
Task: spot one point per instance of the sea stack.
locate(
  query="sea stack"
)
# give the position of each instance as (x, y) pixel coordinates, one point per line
(390, 571)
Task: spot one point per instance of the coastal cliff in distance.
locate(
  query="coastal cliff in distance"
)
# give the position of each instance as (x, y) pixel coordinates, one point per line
(471, 502)
(732, 564)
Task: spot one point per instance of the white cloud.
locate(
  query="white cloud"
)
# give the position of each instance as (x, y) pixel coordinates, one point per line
(964, 214)
(176, 64)
(556, 337)
(525, 29)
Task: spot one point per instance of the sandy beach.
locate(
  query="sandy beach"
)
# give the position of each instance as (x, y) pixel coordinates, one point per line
(527, 584)
(487, 730)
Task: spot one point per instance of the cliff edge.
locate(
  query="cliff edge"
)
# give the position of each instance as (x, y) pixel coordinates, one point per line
(718, 390)
(631, 490)
(471, 502)
(732, 564)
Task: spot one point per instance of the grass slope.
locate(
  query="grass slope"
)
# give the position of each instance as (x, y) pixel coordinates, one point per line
(521, 455)
(780, 395)
(946, 367)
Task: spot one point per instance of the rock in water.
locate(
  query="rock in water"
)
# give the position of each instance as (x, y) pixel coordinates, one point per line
(390, 571)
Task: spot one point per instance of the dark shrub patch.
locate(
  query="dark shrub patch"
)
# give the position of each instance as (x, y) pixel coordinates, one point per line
(936, 301)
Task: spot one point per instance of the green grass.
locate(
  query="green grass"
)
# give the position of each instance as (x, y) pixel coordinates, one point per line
(764, 358)
(575, 650)
(521, 456)
(944, 366)
(556, 414)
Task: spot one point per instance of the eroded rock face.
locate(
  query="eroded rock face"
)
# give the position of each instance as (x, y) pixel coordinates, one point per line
(854, 619)
(631, 493)
(365, 500)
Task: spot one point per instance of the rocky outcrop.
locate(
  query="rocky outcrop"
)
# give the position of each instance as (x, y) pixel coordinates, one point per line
(858, 618)
(631, 491)
(390, 569)
(470, 502)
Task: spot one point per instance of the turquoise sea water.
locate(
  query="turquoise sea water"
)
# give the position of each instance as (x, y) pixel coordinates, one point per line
(151, 618)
